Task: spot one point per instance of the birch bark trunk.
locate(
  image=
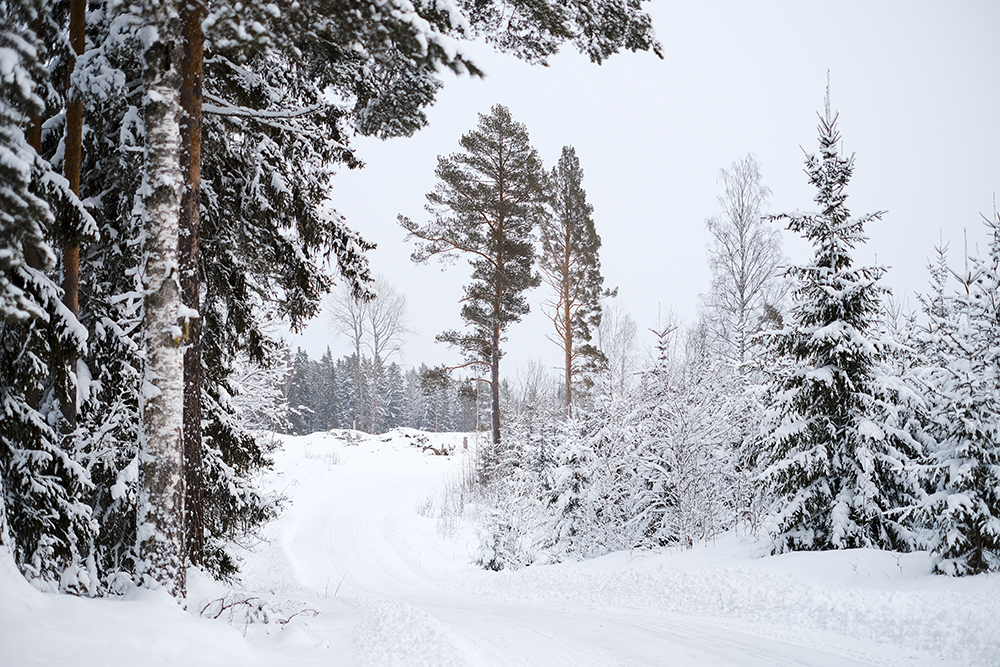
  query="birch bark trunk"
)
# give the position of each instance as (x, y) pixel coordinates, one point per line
(161, 452)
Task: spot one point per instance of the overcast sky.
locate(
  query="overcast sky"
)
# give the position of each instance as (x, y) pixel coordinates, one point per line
(916, 85)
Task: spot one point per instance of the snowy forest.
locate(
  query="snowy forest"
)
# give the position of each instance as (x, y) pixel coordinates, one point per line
(165, 169)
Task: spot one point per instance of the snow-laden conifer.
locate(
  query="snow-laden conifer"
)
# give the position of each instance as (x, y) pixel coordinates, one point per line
(609, 466)
(42, 481)
(838, 447)
(571, 463)
(963, 378)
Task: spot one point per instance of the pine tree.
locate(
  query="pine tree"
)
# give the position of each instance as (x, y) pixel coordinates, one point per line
(963, 375)
(572, 269)
(486, 204)
(839, 449)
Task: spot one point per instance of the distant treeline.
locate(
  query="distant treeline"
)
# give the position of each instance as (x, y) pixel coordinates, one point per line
(351, 393)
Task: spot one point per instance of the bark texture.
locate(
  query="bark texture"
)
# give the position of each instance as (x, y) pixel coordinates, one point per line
(190, 261)
(495, 384)
(161, 500)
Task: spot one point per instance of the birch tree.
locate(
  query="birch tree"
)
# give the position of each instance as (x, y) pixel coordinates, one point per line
(385, 320)
(744, 255)
(161, 457)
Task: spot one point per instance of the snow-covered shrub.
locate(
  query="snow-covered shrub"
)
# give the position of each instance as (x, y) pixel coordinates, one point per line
(511, 482)
(240, 609)
(511, 523)
(648, 469)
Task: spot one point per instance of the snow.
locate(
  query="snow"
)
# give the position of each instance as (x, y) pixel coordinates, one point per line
(363, 569)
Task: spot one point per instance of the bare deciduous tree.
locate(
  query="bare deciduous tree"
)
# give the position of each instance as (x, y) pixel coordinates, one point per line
(616, 338)
(744, 256)
(386, 330)
(378, 327)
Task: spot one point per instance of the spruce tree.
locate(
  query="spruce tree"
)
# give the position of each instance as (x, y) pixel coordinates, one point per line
(300, 395)
(41, 480)
(486, 203)
(328, 407)
(416, 401)
(571, 267)
(393, 398)
(839, 449)
(963, 506)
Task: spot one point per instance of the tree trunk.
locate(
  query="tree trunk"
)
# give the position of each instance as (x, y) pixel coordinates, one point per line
(567, 317)
(569, 373)
(190, 261)
(376, 379)
(495, 382)
(160, 518)
(359, 402)
(71, 243)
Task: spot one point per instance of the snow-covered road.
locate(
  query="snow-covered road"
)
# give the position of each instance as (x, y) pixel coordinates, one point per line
(362, 571)
(353, 536)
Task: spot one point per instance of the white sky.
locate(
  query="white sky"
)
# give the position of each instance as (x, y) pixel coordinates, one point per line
(915, 84)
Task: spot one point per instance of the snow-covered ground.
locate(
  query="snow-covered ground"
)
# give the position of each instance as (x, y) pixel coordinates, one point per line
(361, 570)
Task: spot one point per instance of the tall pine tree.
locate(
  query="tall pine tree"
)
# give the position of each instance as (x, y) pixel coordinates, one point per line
(571, 267)
(486, 203)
